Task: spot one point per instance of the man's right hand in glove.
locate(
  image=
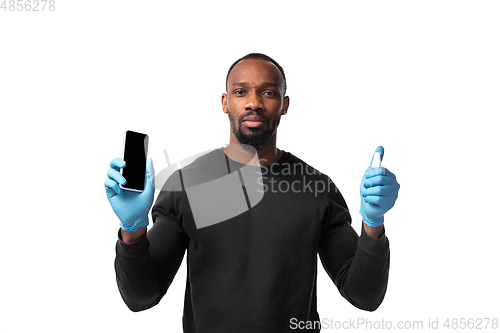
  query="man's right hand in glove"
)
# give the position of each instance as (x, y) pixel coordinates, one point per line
(132, 208)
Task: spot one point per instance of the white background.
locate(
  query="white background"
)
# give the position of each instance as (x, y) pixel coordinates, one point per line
(421, 78)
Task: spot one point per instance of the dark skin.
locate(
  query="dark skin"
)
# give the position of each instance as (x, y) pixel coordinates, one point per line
(254, 87)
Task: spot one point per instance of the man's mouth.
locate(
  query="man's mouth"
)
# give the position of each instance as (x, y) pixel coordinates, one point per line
(253, 124)
(253, 121)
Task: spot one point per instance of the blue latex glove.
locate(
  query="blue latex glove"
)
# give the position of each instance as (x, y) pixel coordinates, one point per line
(132, 208)
(379, 191)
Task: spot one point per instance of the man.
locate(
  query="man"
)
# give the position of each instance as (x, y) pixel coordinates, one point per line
(254, 271)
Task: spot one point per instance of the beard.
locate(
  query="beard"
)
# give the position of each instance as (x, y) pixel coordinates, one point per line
(258, 137)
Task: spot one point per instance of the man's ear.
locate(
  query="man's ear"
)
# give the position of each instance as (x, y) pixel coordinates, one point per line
(224, 103)
(286, 104)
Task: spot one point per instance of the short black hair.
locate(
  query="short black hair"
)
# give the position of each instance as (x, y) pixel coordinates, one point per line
(257, 56)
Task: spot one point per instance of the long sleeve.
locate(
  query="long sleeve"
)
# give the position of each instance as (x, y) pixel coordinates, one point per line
(255, 271)
(359, 266)
(146, 268)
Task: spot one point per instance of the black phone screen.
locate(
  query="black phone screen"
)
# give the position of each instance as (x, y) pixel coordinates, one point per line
(134, 153)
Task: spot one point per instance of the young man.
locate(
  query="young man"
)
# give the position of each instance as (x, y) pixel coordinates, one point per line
(253, 219)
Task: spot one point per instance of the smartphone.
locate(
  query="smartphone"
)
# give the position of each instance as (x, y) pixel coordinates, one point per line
(135, 152)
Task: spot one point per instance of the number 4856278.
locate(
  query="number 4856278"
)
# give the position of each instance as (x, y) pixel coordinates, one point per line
(28, 5)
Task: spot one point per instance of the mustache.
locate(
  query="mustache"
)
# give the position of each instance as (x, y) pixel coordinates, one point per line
(253, 114)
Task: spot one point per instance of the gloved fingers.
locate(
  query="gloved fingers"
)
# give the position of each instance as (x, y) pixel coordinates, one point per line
(112, 188)
(384, 202)
(116, 176)
(150, 171)
(373, 199)
(381, 171)
(377, 190)
(379, 176)
(377, 181)
(117, 163)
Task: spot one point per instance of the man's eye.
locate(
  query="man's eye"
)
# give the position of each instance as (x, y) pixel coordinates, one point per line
(269, 93)
(239, 92)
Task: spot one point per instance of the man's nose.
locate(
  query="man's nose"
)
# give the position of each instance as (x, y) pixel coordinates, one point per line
(254, 102)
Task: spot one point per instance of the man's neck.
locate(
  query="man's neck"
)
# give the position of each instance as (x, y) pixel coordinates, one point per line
(269, 157)
(266, 156)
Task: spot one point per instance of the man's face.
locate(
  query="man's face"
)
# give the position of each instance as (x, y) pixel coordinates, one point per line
(254, 101)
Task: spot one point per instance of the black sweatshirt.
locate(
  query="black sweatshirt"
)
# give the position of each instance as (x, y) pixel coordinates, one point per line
(255, 271)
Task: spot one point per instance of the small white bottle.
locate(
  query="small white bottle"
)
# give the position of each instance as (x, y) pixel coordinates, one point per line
(377, 162)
